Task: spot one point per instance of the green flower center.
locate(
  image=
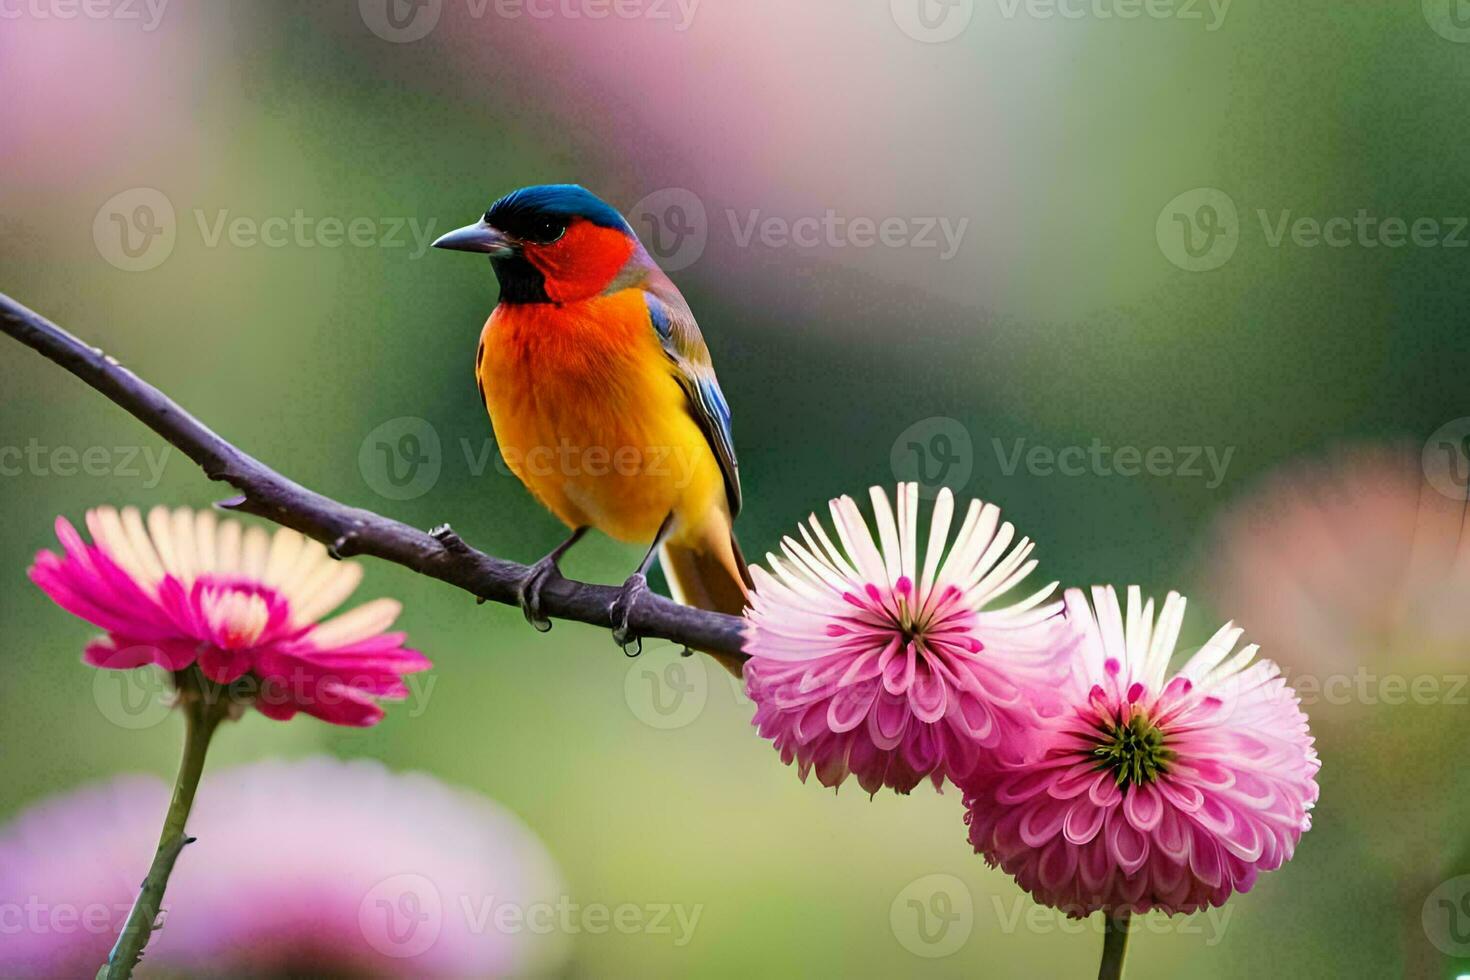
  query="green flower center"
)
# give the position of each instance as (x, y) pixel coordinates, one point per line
(1134, 751)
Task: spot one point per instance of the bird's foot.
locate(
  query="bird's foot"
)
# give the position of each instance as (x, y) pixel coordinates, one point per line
(344, 546)
(447, 537)
(528, 592)
(621, 611)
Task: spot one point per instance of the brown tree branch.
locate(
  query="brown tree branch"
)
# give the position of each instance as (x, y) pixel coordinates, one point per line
(351, 530)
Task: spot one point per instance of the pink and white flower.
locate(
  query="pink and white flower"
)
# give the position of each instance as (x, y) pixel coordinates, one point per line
(314, 867)
(1152, 791)
(865, 662)
(187, 588)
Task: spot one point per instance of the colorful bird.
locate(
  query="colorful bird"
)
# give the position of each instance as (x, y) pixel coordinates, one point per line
(603, 397)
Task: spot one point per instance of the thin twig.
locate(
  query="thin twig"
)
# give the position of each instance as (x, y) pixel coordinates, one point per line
(352, 530)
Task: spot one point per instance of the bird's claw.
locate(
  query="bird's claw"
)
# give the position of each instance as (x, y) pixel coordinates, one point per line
(621, 610)
(447, 537)
(343, 546)
(528, 593)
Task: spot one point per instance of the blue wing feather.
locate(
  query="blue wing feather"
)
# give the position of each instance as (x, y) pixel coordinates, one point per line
(674, 324)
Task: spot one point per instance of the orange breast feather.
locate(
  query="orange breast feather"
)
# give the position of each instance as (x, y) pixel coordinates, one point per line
(588, 414)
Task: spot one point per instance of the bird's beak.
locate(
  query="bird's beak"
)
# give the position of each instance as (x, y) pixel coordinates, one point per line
(478, 237)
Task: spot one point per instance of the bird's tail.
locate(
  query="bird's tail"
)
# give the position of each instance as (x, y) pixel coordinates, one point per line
(707, 570)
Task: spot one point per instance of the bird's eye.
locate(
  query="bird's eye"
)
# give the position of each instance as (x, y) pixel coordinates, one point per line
(547, 230)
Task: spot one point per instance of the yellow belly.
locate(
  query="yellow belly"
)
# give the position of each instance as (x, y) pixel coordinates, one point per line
(588, 414)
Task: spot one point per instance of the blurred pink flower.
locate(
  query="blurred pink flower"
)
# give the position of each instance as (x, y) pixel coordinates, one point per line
(1338, 563)
(311, 868)
(864, 663)
(1152, 793)
(188, 589)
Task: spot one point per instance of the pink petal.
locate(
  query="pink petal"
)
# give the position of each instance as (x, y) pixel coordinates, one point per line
(1084, 820)
(1126, 846)
(1143, 807)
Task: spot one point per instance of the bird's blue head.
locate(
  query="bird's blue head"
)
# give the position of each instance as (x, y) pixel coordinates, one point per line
(552, 243)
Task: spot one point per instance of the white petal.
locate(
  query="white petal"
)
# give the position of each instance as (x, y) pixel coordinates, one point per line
(206, 555)
(186, 552)
(227, 548)
(253, 549)
(939, 523)
(857, 540)
(367, 620)
(887, 534)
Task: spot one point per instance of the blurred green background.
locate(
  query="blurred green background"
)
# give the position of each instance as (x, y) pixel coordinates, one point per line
(1066, 314)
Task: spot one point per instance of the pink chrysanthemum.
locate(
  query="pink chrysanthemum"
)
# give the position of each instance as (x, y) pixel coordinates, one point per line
(188, 588)
(1152, 793)
(863, 662)
(309, 868)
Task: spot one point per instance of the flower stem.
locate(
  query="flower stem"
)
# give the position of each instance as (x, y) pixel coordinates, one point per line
(203, 711)
(1115, 946)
